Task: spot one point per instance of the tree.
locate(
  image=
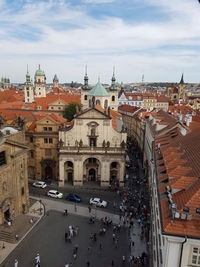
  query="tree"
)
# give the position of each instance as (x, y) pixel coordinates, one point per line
(70, 110)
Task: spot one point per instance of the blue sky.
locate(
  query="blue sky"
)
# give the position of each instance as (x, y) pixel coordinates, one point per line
(157, 38)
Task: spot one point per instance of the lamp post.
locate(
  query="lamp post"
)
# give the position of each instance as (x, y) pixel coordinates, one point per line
(40, 206)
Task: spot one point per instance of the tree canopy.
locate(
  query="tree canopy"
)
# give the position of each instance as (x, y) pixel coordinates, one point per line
(70, 110)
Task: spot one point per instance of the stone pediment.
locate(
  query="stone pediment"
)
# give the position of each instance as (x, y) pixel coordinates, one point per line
(92, 114)
(44, 120)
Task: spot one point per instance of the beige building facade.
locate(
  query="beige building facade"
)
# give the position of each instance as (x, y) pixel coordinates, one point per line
(14, 196)
(92, 150)
(42, 136)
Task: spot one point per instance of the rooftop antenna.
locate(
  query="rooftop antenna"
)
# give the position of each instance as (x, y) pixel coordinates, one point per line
(27, 68)
(86, 69)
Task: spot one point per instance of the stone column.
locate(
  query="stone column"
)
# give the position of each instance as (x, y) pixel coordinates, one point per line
(78, 172)
(105, 172)
(61, 173)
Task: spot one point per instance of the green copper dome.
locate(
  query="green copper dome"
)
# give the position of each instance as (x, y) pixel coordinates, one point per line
(39, 72)
(98, 90)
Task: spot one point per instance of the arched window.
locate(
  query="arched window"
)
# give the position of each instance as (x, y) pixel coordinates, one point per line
(113, 98)
(106, 103)
(98, 102)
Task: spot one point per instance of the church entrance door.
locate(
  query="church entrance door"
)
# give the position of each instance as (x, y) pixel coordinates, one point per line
(48, 173)
(92, 175)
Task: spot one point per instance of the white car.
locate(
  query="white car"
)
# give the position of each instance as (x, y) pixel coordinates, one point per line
(55, 194)
(40, 184)
(98, 202)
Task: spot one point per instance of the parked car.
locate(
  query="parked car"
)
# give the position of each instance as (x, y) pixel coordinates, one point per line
(73, 197)
(98, 202)
(39, 184)
(55, 194)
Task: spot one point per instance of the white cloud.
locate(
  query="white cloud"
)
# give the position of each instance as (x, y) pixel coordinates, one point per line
(102, 42)
(98, 1)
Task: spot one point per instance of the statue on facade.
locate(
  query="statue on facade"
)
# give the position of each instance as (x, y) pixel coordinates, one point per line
(81, 143)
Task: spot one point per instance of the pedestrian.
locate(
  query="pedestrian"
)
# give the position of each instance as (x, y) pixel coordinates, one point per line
(37, 260)
(74, 255)
(76, 248)
(112, 263)
(123, 259)
(89, 209)
(16, 263)
(113, 237)
(88, 263)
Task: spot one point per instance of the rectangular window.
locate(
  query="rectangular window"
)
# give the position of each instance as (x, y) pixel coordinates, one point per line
(45, 128)
(50, 129)
(48, 140)
(31, 139)
(195, 257)
(2, 158)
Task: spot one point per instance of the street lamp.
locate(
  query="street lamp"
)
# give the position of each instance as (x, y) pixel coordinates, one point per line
(40, 206)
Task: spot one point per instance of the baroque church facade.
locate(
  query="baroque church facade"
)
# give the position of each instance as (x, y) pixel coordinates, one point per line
(92, 149)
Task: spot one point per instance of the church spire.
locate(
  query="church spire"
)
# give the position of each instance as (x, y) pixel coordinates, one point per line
(113, 80)
(85, 86)
(182, 80)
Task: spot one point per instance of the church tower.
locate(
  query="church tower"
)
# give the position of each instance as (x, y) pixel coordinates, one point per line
(181, 89)
(55, 82)
(113, 92)
(40, 83)
(85, 89)
(28, 89)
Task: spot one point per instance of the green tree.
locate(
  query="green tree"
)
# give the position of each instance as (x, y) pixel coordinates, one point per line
(70, 110)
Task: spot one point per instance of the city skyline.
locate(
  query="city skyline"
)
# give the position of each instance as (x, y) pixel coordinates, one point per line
(156, 38)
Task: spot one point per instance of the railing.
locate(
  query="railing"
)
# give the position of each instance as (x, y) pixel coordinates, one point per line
(93, 148)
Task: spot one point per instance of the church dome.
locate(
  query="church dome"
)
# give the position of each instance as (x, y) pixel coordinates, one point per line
(98, 90)
(39, 72)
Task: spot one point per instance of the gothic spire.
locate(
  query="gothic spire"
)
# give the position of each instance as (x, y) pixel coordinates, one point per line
(182, 80)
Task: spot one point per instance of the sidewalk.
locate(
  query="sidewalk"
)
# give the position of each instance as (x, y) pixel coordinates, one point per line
(36, 211)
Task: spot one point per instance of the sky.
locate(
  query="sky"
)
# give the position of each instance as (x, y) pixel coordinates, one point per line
(159, 39)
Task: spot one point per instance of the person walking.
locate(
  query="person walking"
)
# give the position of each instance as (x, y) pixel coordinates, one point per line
(37, 260)
(89, 209)
(16, 263)
(123, 259)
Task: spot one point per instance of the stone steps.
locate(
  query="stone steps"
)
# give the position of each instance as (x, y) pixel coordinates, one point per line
(7, 236)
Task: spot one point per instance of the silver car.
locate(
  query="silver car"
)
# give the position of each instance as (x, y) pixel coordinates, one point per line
(54, 194)
(98, 202)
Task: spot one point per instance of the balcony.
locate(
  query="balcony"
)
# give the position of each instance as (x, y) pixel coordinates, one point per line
(92, 149)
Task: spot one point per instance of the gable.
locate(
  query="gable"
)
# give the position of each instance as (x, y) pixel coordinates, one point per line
(92, 114)
(45, 119)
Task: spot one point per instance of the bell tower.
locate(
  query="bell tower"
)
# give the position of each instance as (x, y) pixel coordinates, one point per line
(28, 89)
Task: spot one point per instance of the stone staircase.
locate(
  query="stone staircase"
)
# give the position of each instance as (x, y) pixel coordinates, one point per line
(7, 235)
